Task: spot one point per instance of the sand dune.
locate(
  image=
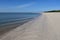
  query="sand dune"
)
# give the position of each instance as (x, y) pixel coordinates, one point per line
(45, 27)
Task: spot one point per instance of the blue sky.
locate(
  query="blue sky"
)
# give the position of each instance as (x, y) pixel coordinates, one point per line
(28, 5)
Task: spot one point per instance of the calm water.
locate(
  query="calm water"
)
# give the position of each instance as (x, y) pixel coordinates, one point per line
(11, 18)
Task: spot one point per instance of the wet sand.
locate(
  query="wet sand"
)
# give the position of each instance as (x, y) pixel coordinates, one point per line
(10, 26)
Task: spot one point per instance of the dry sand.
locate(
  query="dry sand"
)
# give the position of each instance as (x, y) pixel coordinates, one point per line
(45, 27)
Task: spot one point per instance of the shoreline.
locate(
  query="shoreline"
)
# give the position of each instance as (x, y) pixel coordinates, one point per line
(21, 29)
(8, 28)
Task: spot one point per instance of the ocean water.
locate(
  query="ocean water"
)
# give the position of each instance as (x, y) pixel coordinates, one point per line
(9, 19)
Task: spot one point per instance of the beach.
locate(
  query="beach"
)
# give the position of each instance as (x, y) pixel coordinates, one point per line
(44, 27)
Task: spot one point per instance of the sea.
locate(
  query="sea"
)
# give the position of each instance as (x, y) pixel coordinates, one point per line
(9, 20)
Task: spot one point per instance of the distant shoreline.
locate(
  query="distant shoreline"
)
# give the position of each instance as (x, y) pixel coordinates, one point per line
(52, 11)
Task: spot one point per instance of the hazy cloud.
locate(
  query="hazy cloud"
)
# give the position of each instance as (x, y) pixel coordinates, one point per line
(15, 8)
(25, 5)
(18, 6)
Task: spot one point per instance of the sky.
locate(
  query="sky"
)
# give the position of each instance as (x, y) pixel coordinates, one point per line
(29, 5)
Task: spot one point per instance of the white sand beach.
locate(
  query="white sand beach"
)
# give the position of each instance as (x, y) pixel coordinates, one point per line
(44, 27)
